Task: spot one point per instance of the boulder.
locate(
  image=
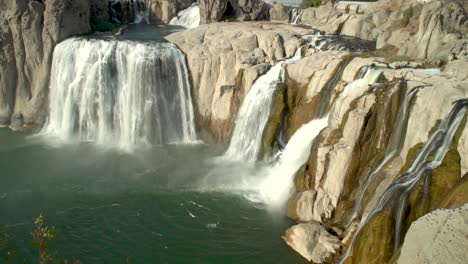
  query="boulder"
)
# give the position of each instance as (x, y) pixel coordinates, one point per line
(312, 241)
(438, 237)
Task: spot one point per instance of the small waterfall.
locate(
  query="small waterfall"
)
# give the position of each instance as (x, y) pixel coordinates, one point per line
(188, 18)
(254, 114)
(279, 183)
(141, 10)
(339, 43)
(294, 15)
(396, 140)
(428, 158)
(120, 93)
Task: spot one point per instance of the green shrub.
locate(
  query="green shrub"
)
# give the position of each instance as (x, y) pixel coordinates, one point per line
(311, 3)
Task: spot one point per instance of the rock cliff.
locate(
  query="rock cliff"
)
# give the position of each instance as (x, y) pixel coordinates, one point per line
(224, 60)
(29, 31)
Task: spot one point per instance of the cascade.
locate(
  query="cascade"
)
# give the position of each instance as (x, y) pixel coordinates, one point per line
(279, 182)
(428, 158)
(294, 15)
(188, 18)
(278, 185)
(141, 10)
(339, 43)
(396, 140)
(254, 113)
(120, 92)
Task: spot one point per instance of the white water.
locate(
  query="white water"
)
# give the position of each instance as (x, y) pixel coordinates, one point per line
(278, 186)
(254, 113)
(188, 18)
(119, 93)
(294, 15)
(142, 10)
(438, 145)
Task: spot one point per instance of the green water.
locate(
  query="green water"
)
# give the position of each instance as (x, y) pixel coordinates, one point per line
(158, 204)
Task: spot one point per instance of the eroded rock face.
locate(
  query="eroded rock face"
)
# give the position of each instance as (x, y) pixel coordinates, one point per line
(433, 30)
(224, 60)
(240, 10)
(312, 241)
(162, 11)
(278, 13)
(438, 237)
(29, 31)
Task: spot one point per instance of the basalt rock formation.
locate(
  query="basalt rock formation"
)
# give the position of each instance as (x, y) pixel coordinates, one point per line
(224, 60)
(434, 30)
(29, 31)
(240, 10)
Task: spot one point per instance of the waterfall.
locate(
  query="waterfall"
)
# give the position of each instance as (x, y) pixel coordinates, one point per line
(294, 15)
(119, 92)
(428, 158)
(396, 140)
(254, 113)
(142, 10)
(279, 183)
(339, 43)
(188, 18)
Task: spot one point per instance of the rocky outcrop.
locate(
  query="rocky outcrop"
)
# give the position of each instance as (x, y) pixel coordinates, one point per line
(312, 241)
(438, 237)
(373, 136)
(224, 60)
(29, 31)
(279, 13)
(433, 30)
(162, 11)
(239, 10)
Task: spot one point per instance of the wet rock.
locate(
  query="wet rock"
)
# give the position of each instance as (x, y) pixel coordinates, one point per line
(16, 121)
(278, 13)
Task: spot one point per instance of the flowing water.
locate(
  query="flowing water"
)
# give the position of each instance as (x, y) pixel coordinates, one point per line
(162, 204)
(188, 18)
(120, 93)
(428, 158)
(254, 114)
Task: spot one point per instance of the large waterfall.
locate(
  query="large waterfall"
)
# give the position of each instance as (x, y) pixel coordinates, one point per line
(120, 92)
(188, 18)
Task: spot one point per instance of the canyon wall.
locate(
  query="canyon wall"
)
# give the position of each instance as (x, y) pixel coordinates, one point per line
(29, 30)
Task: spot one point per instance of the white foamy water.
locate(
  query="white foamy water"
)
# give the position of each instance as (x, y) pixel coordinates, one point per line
(254, 113)
(120, 93)
(278, 186)
(188, 18)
